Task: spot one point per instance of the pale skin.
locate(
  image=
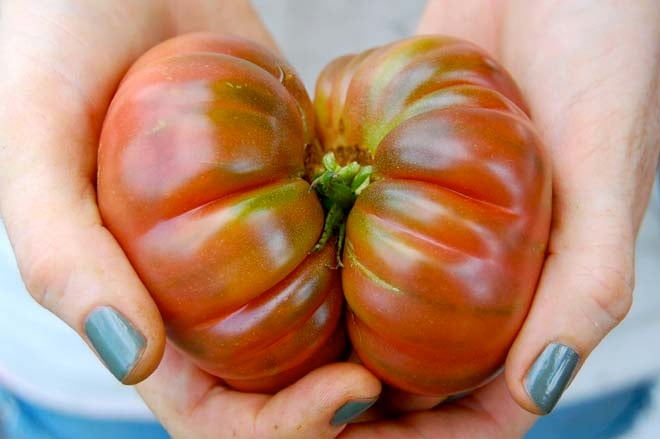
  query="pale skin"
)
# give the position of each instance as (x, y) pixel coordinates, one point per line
(589, 71)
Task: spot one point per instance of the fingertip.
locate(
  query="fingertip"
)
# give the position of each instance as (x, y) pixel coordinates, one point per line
(323, 402)
(351, 410)
(147, 363)
(83, 276)
(570, 315)
(342, 385)
(129, 343)
(356, 391)
(514, 375)
(539, 387)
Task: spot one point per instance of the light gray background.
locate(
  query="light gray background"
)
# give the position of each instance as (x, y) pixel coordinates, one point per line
(311, 33)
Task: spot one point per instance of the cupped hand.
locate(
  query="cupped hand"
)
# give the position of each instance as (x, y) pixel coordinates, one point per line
(591, 76)
(61, 63)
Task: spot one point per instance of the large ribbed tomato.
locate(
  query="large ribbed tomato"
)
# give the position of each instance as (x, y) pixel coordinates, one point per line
(444, 248)
(199, 178)
(201, 169)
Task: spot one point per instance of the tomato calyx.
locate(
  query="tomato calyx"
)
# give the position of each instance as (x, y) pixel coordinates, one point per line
(338, 187)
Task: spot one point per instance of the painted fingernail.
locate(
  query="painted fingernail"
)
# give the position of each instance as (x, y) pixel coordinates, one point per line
(550, 374)
(351, 410)
(456, 396)
(115, 339)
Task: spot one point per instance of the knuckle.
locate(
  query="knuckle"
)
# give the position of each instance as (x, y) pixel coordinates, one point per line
(40, 276)
(612, 294)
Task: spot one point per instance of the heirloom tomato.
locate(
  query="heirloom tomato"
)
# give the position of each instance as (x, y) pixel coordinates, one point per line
(444, 248)
(200, 171)
(424, 161)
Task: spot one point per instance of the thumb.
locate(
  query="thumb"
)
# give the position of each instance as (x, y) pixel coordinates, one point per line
(73, 266)
(322, 403)
(54, 93)
(584, 291)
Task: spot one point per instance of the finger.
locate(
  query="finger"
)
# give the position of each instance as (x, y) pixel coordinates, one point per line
(189, 401)
(69, 262)
(74, 267)
(53, 95)
(321, 404)
(585, 290)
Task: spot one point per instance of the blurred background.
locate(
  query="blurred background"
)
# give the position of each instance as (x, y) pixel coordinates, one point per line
(311, 33)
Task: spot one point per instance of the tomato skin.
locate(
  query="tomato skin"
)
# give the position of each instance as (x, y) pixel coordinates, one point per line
(201, 161)
(200, 170)
(444, 249)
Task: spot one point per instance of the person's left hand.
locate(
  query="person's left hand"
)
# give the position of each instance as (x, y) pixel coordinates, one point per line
(61, 63)
(589, 71)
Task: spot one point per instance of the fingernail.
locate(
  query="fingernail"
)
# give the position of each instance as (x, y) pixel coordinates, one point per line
(116, 341)
(351, 410)
(550, 374)
(457, 396)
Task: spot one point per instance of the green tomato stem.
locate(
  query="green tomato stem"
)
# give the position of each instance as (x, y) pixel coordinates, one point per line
(338, 187)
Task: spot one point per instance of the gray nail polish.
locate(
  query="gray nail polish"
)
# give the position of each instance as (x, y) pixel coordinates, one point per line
(116, 341)
(456, 396)
(549, 375)
(350, 411)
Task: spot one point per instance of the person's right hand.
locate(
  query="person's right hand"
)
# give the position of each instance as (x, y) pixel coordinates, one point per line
(61, 62)
(590, 74)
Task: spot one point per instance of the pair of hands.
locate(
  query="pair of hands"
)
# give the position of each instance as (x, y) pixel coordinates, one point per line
(589, 71)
